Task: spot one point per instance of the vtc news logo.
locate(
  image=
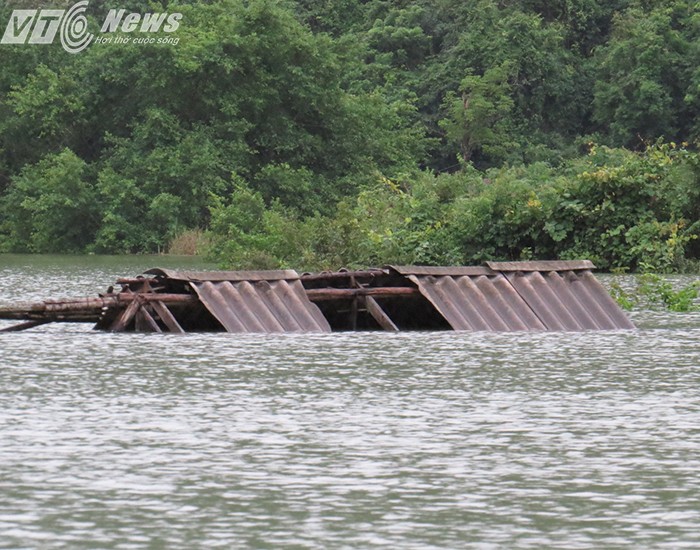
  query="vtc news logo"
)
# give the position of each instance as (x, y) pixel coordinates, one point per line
(41, 26)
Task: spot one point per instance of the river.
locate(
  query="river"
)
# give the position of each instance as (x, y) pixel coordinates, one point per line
(364, 440)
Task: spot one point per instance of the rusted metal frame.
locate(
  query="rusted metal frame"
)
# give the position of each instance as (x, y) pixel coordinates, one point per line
(167, 317)
(24, 326)
(354, 311)
(137, 285)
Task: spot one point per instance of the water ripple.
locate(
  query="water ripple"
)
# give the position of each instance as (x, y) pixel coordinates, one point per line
(412, 440)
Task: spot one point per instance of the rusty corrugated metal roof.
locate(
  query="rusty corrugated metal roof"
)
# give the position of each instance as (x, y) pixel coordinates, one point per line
(542, 265)
(511, 296)
(261, 306)
(569, 300)
(453, 271)
(478, 302)
(272, 275)
(500, 296)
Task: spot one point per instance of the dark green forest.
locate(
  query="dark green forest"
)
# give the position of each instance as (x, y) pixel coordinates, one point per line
(317, 134)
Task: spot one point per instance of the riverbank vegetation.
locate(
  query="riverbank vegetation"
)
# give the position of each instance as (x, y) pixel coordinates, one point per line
(652, 291)
(317, 135)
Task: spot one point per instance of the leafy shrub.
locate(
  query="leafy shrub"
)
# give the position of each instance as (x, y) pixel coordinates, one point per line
(653, 291)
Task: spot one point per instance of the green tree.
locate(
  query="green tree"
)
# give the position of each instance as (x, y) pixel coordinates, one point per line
(477, 119)
(49, 207)
(642, 75)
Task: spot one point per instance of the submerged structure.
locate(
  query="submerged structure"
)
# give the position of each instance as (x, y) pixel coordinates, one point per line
(498, 296)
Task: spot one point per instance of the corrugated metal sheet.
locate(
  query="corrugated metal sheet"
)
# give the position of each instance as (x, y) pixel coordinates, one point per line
(261, 306)
(453, 271)
(569, 300)
(500, 296)
(520, 297)
(542, 265)
(272, 275)
(481, 302)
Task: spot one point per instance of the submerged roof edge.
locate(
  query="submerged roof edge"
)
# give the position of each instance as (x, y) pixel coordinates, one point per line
(194, 276)
(489, 268)
(542, 265)
(438, 271)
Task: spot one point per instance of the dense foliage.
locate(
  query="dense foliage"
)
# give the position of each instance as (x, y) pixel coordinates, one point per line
(318, 134)
(615, 207)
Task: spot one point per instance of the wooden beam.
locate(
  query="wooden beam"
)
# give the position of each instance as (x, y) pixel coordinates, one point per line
(87, 309)
(145, 322)
(354, 309)
(125, 318)
(376, 311)
(167, 317)
(324, 276)
(24, 326)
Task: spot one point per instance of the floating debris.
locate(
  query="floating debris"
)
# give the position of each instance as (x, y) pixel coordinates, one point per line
(499, 296)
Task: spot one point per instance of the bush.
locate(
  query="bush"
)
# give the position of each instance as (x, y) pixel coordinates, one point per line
(653, 291)
(50, 207)
(615, 207)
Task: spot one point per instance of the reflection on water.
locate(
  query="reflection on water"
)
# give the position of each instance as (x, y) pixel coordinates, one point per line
(411, 440)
